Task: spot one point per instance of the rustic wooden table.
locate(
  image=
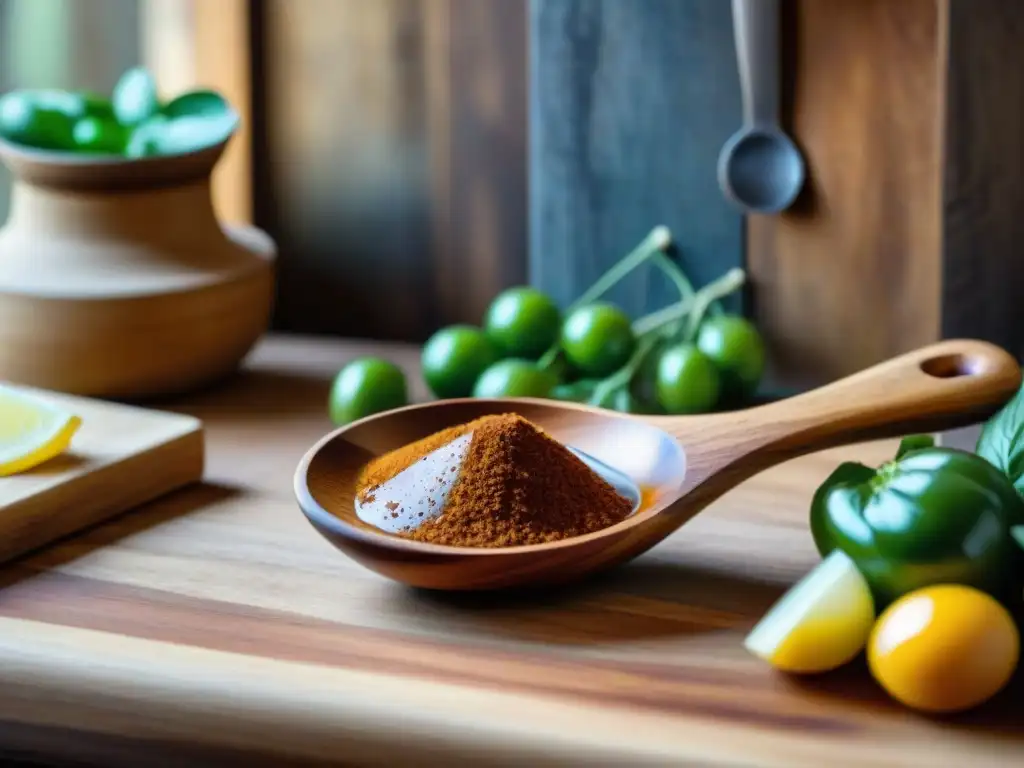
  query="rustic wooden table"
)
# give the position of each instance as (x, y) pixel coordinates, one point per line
(215, 626)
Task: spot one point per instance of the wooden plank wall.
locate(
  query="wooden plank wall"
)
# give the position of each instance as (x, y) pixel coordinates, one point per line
(393, 165)
(193, 44)
(983, 185)
(631, 103)
(392, 168)
(851, 275)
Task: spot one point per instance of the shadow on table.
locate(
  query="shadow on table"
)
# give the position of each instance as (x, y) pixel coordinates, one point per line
(264, 394)
(635, 602)
(1003, 714)
(171, 506)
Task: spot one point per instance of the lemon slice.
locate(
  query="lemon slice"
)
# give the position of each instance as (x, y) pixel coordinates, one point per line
(821, 623)
(31, 431)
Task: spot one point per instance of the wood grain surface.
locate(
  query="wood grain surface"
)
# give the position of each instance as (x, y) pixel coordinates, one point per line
(190, 44)
(215, 626)
(851, 275)
(983, 190)
(394, 160)
(120, 457)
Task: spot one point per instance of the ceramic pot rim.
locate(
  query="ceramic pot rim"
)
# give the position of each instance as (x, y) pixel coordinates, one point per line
(67, 170)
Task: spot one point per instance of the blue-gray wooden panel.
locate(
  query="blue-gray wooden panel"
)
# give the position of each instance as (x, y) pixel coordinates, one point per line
(631, 101)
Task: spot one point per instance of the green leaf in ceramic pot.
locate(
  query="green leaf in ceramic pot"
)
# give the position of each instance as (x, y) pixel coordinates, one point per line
(143, 140)
(99, 135)
(164, 136)
(94, 105)
(135, 97)
(198, 102)
(1002, 441)
(25, 119)
(75, 104)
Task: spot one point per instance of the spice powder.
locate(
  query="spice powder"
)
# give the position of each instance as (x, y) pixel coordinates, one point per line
(516, 485)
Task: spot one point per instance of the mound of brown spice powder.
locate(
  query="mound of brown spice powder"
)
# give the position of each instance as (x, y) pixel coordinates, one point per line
(516, 485)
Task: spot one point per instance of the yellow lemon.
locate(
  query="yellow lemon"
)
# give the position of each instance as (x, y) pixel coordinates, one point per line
(31, 430)
(944, 648)
(821, 623)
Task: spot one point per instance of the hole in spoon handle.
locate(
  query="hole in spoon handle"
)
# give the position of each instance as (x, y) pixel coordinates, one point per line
(938, 387)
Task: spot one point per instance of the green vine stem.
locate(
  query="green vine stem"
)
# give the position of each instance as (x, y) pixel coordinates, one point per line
(651, 246)
(718, 289)
(625, 374)
(682, 283)
(674, 273)
(649, 328)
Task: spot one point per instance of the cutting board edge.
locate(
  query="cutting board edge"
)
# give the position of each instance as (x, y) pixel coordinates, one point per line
(180, 461)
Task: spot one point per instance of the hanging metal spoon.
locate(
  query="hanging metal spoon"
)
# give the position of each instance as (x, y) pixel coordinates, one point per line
(760, 168)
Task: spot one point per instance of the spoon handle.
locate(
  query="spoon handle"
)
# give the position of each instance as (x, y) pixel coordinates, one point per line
(756, 28)
(941, 386)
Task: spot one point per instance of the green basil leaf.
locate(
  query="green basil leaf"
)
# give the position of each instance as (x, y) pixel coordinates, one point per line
(135, 97)
(143, 141)
(914, 443)
(94, 134)
(27, 120)
(162, 136)
(1018, 533)
(198, 102)
(1002, 441)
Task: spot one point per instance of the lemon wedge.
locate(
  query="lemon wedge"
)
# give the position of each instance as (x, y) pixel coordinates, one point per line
(31, 431)
(821, 623)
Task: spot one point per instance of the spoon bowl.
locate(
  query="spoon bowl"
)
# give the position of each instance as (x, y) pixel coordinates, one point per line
(680, 463)
(761, 170)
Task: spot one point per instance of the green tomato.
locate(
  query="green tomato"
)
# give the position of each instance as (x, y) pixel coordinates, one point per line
(365, 386)
(26, 120)
(514, 378)
(688, 381)
(598, 339)
(522, 322)
(94, 134)
(453, 359)
(736, 347)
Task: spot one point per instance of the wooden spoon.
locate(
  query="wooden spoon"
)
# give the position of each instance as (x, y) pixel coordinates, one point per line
(683, 462)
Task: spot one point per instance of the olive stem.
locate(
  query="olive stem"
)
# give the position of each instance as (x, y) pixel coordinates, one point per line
(624, 375)
(717, 289)
(654, 244)
(648, 329)
(675, 274)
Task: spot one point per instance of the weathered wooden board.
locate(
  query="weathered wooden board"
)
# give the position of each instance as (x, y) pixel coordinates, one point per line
(393, 160)
(216, 627)
(851, 275)
(121, 456)
(631, 103)
(983, 188)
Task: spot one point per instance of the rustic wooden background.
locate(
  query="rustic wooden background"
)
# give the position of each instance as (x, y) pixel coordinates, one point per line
(394, 173)
(414, 157)
(402, 161)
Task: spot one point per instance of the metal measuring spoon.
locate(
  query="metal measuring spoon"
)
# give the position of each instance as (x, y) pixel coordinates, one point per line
(759, 168)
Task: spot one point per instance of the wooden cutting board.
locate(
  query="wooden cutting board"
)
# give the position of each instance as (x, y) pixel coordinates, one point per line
(120, 457)
(216, 627)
